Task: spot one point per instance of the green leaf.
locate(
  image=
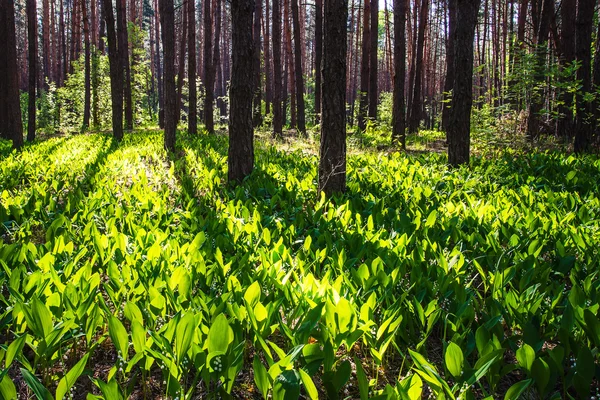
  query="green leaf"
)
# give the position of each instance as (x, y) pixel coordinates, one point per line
(219, 335)
(42, 316)
(309, 385)
(342, 375)
(118, 335)
(15, 348)
(431, 219)
(267, 236)
(184, 334)
(252, 295)
(363, 381)
(35, 385)
(67, 382)
(261, 377)
(525, 357)
(8, 391)
(454, 359)
(516, 390)
(540, 372)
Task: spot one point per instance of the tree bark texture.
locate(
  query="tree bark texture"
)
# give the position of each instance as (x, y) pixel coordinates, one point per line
(277, 111)
(399, 114)
(332, 153)
(241, 137)
(116, 71)
(459, 129)
(32, 58)
(167, 17)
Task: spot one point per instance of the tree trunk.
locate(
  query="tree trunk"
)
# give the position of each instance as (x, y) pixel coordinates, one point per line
(11, 125)
(32, 58)
(416, 106)
(318, 57)
(216, 59)
(373, 87)
(449, 80)
(46, 41)
(277, 112)
(116, 70)
(167, 18)
(568, 13)
(585, 125)
(62, 48)
(363, 106)
(124, 56)
(399, 115)
(159, 80)
(332, 157)
(268, 76)
(289, 77)
(95, 64)
(241, 146)
(301, 118)
(537, 99)
(193, 96)
(459, 128)
(181, 64)
(209, 84)
(87, 74)
(257, 118)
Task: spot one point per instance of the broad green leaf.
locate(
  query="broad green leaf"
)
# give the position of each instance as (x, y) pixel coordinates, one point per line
(261, 378)
(184, 334)
(454, 359)
(525, 357)
(67, 382)
(219, 335)
(361, 377)
(35, 385)
(8, 391)
(16, 347)
(119, 337)
(309, 385)
(516, 390)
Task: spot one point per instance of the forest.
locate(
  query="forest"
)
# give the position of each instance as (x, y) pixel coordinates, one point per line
(299, 199)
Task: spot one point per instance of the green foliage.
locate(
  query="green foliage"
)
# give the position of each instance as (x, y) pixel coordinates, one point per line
(160, 264)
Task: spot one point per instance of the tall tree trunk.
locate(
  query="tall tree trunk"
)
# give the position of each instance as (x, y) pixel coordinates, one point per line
(62, 48)
(416, 105)
(159, 80)
(459, 128)
(568, 13)
(399, 115)
(257, 118)
(116, 70)
(363, 107)
(216, 59)
(318, 57)
(449, 80)
(167, 22)
(95, 65)
(11, 125)
(54, 48)
(373, 87)
(537, 99)
(332, 153)
(268, 76)
(277, 112)
(289, 77)
(585, 125)
(301, 118)
(181, 64)
(193, 101)
(32, 58)
(241, 138)
(73, 43)
(87, 74)
(124, 54)
(208, 67)
(46, 61)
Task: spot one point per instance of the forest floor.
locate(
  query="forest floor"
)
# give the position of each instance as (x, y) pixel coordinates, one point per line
(117, 262)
